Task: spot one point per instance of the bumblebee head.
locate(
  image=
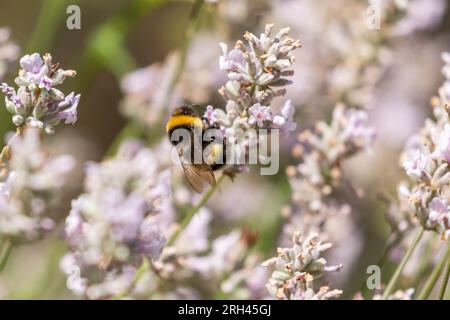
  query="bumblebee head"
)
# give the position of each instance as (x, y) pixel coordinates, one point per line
(191, 110)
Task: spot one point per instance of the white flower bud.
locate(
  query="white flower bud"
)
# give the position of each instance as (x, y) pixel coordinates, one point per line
(18, 120)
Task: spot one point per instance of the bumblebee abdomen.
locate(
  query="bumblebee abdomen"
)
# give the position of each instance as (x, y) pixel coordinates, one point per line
(217, 155)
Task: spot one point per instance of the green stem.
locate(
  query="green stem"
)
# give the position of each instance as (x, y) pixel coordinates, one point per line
(445, 281)
(6, 252)
(190, 214)
(429, 285)
(387, 250)
(137, 276)
(400, 268)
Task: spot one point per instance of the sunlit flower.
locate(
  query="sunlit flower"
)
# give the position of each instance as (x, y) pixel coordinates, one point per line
(416, 167)
(285, 120)
(258, 71)
(211, 115)
(439, 216)
(259, 114)
(429, 166)
(443, 145)
(297, 267)
(37, 102)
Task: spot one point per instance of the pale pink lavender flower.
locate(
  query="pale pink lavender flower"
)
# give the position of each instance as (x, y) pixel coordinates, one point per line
(217, 263)
(46, 83)
(259, 115)
(257, 71)
(304, 290)
(247, 283)
(115, 224)
(221, 257)
(37, 102)
(233, 63)
(443, 144)
(68, 108)
(416, 167)
(29, 191)
(320, 174)
(357, 129)
(211, 115)
(286, 119)
(347, 134)
(296, 268)
(439, 217)
(438, 210)
(256, 68)
(321, 152)
(33, 68)
(428, 163)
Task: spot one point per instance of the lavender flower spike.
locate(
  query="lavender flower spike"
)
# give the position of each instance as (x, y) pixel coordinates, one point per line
(37, 102)
(114, 225)
(257, 70)
(30, 189)
(427, 163)
(295, 269)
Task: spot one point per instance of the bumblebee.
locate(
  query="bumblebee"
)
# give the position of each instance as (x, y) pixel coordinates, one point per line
(202, 149)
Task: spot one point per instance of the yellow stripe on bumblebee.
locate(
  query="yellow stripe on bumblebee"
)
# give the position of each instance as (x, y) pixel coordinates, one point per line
(183, 120)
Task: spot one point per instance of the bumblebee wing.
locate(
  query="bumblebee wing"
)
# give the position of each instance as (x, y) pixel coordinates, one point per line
(196, 174)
